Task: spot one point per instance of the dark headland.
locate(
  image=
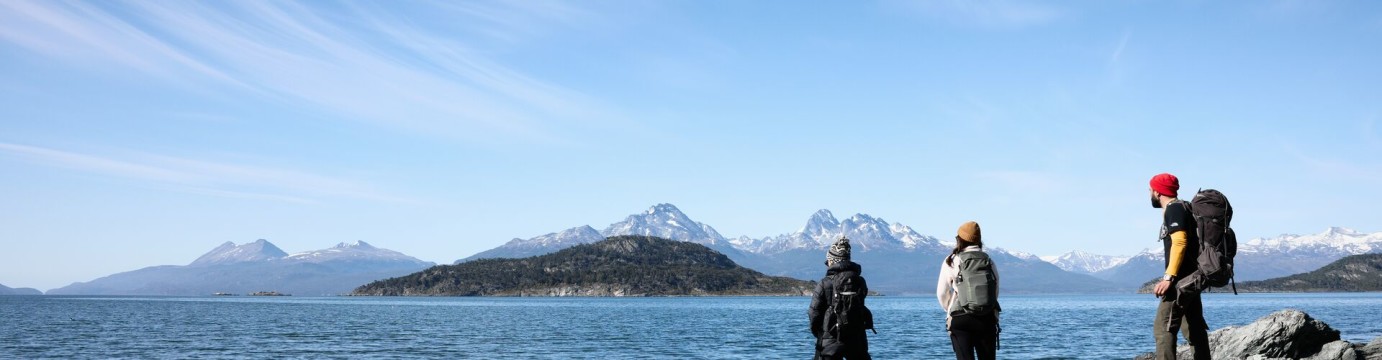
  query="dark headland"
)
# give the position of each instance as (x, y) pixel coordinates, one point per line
(1355, 273)
(616, 266)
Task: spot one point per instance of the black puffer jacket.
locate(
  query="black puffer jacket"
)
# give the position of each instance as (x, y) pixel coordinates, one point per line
(825, 290)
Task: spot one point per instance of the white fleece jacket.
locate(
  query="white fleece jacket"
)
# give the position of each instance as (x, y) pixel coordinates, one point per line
(945, 284)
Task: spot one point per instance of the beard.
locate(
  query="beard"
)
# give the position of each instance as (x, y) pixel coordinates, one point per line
(1156, 203)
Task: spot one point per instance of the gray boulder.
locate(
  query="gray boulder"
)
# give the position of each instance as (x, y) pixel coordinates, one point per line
(1371, 351)
(1285, 334)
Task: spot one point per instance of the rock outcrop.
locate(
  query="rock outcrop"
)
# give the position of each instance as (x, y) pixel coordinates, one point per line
(1371, 351)
(1285, 334)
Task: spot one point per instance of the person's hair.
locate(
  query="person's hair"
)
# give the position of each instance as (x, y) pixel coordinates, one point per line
(960, 245)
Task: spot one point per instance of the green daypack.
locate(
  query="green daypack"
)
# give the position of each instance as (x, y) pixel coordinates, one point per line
(975, 284)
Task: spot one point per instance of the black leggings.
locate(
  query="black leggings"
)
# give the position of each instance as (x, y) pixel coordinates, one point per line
(974, 335)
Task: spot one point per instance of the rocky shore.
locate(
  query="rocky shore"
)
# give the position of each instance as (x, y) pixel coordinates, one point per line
(1285, 334)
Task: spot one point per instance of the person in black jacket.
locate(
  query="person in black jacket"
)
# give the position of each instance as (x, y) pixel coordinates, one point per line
(831, 342)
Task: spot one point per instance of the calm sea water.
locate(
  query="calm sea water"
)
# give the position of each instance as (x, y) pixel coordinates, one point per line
(1035, 327)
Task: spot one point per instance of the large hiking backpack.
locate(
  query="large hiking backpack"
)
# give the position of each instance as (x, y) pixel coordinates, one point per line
(847, 310)
(1218, 245)
(976, 286)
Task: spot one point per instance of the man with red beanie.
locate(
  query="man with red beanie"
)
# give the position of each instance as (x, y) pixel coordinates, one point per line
(1177, 311)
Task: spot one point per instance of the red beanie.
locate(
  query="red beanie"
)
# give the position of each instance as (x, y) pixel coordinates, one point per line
(1165, 184)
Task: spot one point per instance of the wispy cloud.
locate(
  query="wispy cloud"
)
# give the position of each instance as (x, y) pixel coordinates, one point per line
(983, 13)
(1118, 50)
(365, 65)
(1115, 59)
(203, 177)
(1337, 168)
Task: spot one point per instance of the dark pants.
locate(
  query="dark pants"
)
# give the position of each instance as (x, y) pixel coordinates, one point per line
(974, 335)
(1183, 313)
(852, 348)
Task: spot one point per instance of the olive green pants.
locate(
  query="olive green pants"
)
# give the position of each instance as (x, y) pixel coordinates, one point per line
(1185, 316)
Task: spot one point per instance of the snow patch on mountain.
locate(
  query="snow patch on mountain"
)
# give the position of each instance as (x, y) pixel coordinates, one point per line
(665, 221)
(259, 250)
(264, 251)
(865, 233)
(1083, 262)
(352, 251)
(1335, 240)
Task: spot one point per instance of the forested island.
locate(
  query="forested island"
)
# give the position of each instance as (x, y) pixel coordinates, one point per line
(616, 266)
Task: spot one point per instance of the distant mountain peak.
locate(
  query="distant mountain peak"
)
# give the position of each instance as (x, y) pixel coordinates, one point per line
(259, 250)
(862, 217)
(519, 248)
(1344, 241)
(1336, 230)
(665, 221)
(663, 208)
(1084, 262)
(821, 223)
(357, 244)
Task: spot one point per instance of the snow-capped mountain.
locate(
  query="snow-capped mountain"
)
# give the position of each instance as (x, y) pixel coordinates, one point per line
(1261, 258)
(866, 233)
(1265, 258)
(521, 248)
(352, 251)
(1086, 263)
(661, 220)
(1135, 270)
(668, 222)
(1019, 254)
(259, 266)
(1334, 240)
(895, 255)
(227, 253)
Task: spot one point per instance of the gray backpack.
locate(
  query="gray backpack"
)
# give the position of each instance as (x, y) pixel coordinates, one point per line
(975, 284)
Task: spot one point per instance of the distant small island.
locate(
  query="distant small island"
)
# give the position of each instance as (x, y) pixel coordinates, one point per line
(268, 293)
(616, 266)
(1355, 273)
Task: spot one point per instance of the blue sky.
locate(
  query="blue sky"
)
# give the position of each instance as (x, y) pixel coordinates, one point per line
(145, 133)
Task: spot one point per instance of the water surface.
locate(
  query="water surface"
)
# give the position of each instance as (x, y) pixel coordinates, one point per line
(1034, 326)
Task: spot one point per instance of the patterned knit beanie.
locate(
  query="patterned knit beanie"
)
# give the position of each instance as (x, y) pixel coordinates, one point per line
(838, 251)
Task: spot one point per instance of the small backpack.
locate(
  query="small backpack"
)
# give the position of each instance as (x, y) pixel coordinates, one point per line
(976, 286)
(1218, 244)
(847, 306)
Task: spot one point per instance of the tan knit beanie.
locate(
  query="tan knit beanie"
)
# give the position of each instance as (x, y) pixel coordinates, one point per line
(969, 231)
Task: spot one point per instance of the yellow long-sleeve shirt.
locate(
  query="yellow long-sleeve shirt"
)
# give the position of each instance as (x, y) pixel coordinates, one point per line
(1178, 243)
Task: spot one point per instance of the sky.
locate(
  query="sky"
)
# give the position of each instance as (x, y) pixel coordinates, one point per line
(135, 134)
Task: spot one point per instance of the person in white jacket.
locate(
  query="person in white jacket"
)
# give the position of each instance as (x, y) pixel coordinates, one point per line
(970, 334)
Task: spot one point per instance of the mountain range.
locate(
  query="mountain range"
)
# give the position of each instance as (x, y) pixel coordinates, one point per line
(1257, 259)
(258, 266)
(895, 258)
